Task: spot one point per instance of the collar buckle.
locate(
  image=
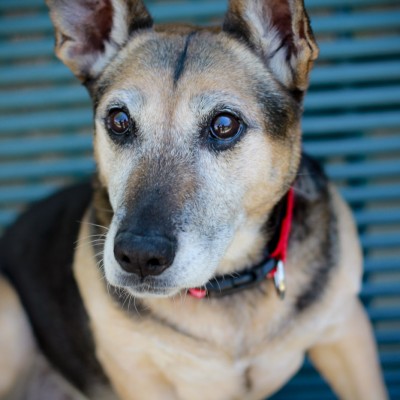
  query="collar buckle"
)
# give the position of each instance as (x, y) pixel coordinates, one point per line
(280, 279)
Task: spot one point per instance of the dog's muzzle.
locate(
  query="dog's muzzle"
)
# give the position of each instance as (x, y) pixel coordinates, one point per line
(144, 255)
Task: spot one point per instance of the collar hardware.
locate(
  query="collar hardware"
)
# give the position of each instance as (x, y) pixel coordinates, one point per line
(280, 280)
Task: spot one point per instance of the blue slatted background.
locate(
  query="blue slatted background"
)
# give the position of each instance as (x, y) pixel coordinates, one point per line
(351, 123)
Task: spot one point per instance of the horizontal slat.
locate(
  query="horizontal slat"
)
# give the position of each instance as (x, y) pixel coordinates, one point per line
(358, 97)
(37, 74)
(385, 314)
(381, 289)
(46, 145)
(369, 72)
(367, 169)
(25, 50)
(359, 21)
(349, 122)
(344, 49)
(371, 193)
(378, 217)
(32, 169)
(38, 23)
(390, 338)
(345, 147)
(49, 97)
(381, 241)
(46, 121)
(26, 193)
(378, 265)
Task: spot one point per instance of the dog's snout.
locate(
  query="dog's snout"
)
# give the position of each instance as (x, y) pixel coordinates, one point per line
(144, 255)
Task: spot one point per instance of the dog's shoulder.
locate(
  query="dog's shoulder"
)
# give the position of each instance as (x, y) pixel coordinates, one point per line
(315, 235)
(36, 255)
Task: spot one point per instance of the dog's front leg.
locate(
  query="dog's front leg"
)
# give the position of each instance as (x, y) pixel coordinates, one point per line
(16, 340)
(350, 363)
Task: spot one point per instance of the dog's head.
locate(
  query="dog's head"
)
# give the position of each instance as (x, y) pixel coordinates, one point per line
(197, 131)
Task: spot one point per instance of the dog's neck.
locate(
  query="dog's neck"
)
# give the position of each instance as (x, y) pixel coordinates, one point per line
(271, 265)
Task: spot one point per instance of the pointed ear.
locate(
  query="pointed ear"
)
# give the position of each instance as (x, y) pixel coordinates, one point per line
(90, 32)
(279, 31)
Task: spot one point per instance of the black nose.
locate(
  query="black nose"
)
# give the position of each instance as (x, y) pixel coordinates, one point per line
(144, 255)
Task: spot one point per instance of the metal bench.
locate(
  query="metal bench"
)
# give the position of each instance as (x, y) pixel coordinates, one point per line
(351, 123)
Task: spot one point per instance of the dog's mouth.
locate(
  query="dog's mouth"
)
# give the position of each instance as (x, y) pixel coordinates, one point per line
(144, 287)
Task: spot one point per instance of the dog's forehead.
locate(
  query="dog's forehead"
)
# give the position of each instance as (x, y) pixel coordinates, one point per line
(189, 60)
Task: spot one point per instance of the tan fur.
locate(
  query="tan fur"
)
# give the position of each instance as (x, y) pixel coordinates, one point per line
(24, 372)
(16, 341)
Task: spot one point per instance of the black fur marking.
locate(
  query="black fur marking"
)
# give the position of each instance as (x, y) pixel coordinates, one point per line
(140, 17)
(36, 256)
(180, 65)
(247, 380)
(280, 110)
(144, 23)
(314, 217)
(238, 29)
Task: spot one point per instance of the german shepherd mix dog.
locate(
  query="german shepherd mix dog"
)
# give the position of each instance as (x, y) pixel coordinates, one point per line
(167, 280)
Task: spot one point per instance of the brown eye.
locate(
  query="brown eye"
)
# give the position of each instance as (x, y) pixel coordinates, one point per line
(225, 126)
(118, 122)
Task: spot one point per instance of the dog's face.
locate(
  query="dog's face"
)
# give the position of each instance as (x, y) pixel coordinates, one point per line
(196, 132)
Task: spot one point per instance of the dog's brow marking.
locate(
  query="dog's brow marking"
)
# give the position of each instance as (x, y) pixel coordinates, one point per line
(180, 66)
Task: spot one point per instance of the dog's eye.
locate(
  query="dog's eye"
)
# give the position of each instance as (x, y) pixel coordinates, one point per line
(118, 122)
(225, 126)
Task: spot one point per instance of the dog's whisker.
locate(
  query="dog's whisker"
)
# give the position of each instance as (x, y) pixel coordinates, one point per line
(135, 306)
(96, 225)
(94, 243)
(92, 236)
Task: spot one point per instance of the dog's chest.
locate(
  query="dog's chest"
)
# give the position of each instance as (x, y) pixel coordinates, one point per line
(152, 359)
(148, 358)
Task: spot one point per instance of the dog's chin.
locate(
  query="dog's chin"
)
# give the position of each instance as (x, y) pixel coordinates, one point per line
(146, 292)
(142, 288)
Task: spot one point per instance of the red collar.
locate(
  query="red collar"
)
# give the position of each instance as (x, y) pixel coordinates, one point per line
(271, 267)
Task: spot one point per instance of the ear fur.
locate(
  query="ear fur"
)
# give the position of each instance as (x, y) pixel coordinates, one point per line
(90, 32)
(279, 31)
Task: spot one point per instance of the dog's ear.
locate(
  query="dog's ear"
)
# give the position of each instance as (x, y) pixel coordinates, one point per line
(90, 32)
(279, 31)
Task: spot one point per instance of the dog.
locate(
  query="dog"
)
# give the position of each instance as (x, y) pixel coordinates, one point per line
(209, 255)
